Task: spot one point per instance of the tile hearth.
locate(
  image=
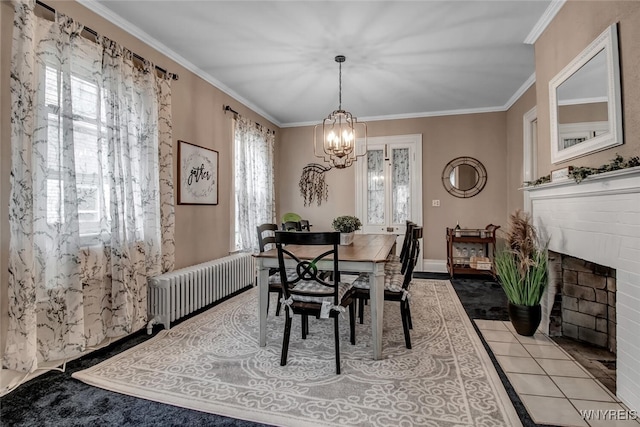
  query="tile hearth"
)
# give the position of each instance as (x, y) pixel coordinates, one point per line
(553, 387)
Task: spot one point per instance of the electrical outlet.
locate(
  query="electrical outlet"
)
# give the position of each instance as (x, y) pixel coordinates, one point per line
(435, 202)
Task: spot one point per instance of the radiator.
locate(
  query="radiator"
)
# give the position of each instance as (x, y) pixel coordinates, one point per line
(174, 295)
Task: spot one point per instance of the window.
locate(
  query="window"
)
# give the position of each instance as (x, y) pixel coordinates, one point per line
(88, 115)
(254, 182)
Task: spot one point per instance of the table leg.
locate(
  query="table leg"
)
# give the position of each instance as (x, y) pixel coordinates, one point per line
(263, 287)
(376, 294)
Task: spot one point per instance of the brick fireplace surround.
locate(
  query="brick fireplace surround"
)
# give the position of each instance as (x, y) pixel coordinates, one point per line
(584, 307)
(594, 233)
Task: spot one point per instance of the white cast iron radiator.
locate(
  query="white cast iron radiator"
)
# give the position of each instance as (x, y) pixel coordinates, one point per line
(181, 292)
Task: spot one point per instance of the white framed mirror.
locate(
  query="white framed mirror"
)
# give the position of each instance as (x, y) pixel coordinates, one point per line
(585, 102)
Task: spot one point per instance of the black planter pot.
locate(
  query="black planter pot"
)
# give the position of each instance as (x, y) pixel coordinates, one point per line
(525, 319)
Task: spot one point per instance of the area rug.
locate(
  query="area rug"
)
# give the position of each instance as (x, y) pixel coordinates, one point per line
(213, 363)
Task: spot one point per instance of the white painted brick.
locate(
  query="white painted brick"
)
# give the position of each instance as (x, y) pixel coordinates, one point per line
(599, 220)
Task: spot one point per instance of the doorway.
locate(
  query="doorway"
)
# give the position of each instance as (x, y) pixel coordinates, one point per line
(389, 186)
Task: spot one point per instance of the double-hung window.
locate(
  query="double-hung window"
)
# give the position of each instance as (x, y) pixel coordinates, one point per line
(87, 115)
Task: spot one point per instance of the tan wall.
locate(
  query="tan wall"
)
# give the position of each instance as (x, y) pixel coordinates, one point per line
(443, 138)
(576, 25)
(202, 232)
(515, 161)
(582, 113)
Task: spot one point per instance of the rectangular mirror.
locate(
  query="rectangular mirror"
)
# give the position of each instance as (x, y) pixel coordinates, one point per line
(585, 101)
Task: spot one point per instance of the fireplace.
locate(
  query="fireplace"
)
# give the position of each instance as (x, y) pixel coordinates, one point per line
(594, 235)
(584, 305)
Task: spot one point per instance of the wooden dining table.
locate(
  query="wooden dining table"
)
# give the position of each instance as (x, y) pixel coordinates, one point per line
(367, 254)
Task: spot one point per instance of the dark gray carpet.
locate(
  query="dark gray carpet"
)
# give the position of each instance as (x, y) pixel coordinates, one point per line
(56, 399)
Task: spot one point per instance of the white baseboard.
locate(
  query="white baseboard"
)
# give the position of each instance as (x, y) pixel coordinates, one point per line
(434, 265)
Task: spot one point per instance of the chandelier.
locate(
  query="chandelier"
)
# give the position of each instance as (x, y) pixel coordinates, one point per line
(338, 134)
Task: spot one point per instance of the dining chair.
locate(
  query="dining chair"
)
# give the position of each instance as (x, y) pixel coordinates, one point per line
(304, 224)
(309, 293)
(396, 286)
(291, 226)
(266, 241)
(397, 263)
(291, 216)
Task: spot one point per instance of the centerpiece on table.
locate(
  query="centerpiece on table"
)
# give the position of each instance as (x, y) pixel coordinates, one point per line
(521, 266)
(346, 225)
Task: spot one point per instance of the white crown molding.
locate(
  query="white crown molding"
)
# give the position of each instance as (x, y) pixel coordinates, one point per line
(526, 85)
(127, 26)
(409, 116)
(544, 21)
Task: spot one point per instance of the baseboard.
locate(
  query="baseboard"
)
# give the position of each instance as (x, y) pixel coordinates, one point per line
(434, 265)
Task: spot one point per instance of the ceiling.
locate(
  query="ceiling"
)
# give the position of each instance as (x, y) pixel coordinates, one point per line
(404, 59)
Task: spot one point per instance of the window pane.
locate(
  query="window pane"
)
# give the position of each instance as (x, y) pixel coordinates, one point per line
(400, 185)
(375, 187)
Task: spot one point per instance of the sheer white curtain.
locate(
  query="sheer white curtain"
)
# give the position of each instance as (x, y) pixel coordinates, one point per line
(91, 204)
(254, 182)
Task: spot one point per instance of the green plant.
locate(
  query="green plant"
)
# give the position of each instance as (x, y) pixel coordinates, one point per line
(346, 224)
(521, 264)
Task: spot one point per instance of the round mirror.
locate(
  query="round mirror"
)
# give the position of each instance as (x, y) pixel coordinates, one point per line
(464, 177)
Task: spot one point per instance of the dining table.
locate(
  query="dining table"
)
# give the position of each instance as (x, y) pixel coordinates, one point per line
(366, 254)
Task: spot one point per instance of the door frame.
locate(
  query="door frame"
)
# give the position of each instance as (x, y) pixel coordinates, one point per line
(529, 151)
(416, 178)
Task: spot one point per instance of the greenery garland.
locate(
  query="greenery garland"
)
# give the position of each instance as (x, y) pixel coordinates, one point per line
(312, 185)
(581, 172)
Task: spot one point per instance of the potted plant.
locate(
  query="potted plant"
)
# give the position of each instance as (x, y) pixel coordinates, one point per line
(521, 266)
(346, 225)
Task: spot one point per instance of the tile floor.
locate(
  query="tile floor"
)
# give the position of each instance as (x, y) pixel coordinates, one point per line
(551, 384)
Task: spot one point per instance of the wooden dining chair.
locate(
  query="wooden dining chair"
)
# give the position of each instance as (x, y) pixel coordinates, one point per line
(266, 241)
(397, 263)
(309, 293)
(292, 226)
(396, 286)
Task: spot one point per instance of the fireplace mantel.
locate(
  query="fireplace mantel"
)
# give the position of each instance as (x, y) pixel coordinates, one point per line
(598, 220)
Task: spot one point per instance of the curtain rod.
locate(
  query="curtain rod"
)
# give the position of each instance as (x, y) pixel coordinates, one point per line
(95, 34)
(231, 110)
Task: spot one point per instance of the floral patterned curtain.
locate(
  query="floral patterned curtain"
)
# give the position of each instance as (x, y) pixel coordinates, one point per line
(91, 203)
(254, 181)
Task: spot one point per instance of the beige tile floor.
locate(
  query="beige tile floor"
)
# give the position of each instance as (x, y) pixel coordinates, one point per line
(555, 389)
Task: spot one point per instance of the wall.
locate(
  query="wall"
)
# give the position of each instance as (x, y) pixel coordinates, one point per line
(514, 164)
(443, 138)
(202, 232)
(575, 26)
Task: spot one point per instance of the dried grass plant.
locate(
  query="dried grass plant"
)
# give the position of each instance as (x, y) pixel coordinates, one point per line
(522, 264)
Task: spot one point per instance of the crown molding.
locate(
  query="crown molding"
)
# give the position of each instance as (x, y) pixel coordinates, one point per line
(525, 86)
(127, 26)
(544, 21)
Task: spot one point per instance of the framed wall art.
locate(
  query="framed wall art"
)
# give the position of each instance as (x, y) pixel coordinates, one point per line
(197, 175)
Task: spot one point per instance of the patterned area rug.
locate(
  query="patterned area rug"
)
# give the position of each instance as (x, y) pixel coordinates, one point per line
(213, 363)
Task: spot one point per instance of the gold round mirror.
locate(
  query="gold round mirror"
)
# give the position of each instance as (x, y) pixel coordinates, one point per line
(464, 177)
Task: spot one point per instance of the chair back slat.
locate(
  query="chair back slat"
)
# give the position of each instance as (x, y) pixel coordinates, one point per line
(266, 235)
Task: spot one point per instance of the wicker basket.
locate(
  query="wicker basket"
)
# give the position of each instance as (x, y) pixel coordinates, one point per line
(480, 263)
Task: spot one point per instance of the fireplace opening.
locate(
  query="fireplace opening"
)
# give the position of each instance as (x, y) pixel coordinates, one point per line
(582, 313)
